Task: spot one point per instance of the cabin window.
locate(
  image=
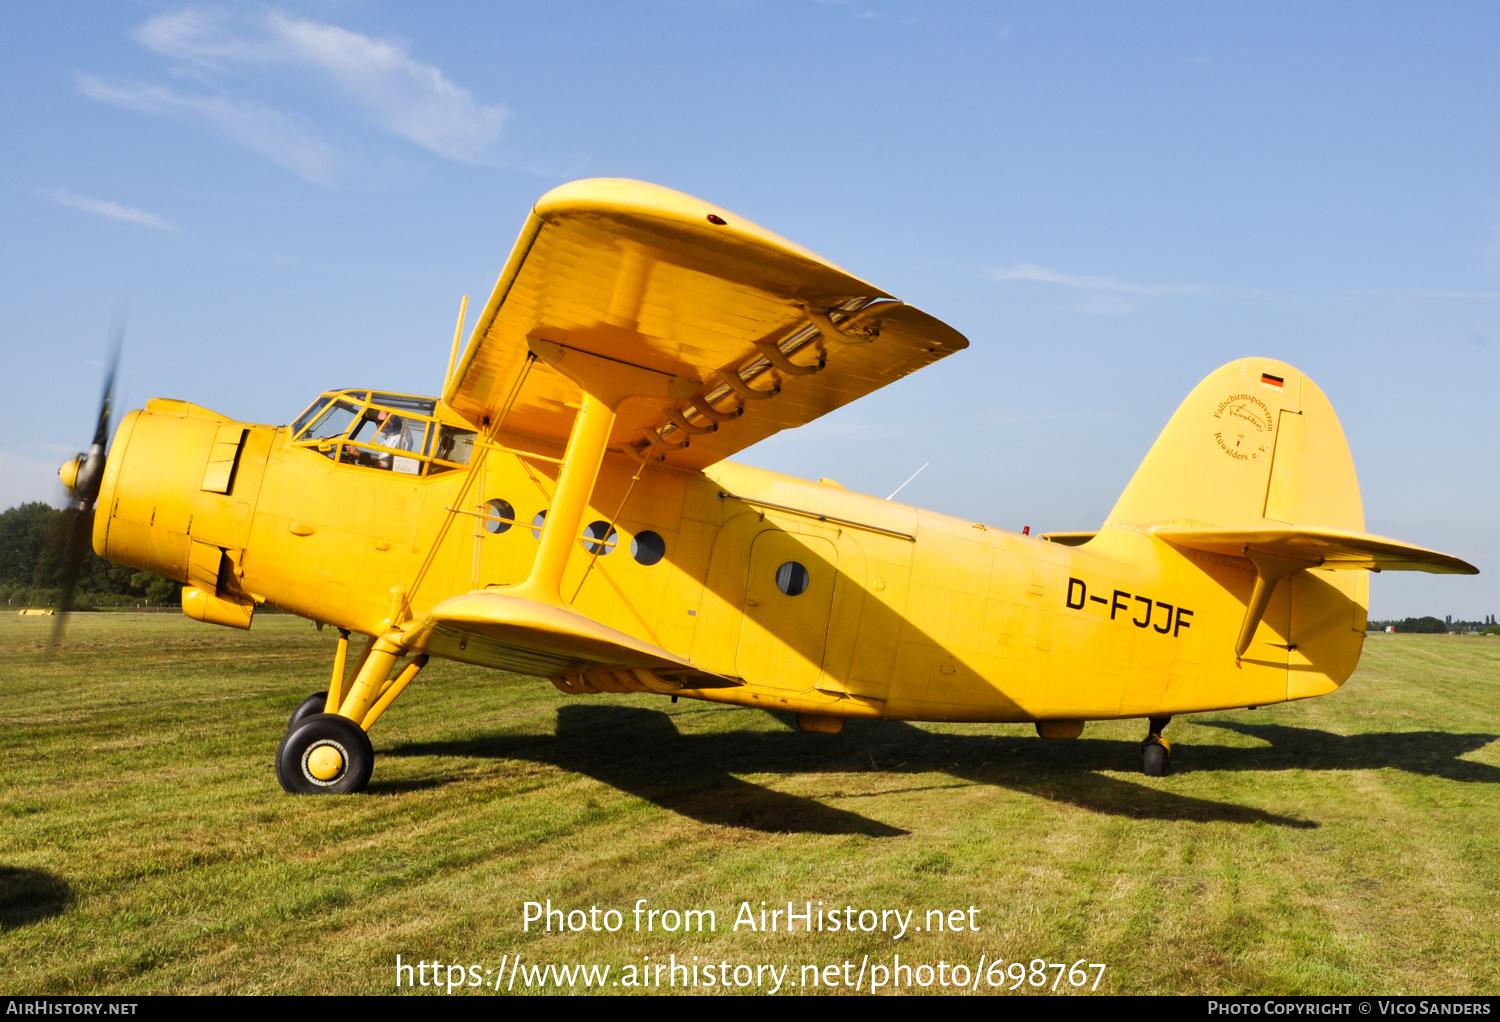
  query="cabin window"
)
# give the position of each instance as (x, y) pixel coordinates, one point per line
(536, 524)
(500, 516)
(648, 548)
(601, 538)
(792, 578)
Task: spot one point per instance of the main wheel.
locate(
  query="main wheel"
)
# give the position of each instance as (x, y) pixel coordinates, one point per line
(309, 706)
(325, 755)
(1158, 761)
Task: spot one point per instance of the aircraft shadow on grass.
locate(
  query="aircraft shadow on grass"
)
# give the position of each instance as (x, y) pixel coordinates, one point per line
(640, 751)
(1430, 753)
(30, 895)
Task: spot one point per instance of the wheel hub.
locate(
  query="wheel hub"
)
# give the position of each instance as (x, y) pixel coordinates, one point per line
(324, 761)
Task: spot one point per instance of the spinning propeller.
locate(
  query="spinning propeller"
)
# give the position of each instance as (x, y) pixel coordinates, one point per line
(81, 476)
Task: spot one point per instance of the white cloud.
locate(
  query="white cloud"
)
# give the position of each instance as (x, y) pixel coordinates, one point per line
(411, 100)
(113, 210)
(399, 95)
(287, 140)
(193, 35)
(1030, 272)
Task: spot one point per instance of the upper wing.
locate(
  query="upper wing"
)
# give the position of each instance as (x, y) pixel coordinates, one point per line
(1333, 548)
(651, 277)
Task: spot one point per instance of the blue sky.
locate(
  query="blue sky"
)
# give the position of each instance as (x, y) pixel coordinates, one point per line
(1109, 200)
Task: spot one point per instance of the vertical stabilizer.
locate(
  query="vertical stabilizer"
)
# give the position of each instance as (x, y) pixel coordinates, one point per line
(1257, 441)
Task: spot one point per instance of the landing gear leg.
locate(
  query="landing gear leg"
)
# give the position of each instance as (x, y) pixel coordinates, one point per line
(1157, 752)
(329, 753)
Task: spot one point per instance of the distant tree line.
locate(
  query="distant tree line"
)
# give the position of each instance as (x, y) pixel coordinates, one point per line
(33, 558)
(1438, 626)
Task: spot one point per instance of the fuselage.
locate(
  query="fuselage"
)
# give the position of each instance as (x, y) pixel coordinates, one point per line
(823, 601)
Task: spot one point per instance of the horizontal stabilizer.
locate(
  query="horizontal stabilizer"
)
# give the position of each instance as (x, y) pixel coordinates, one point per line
(1326, 547)
(495, 629)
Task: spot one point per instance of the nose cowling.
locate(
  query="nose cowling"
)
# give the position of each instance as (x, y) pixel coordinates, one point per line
(177, 493)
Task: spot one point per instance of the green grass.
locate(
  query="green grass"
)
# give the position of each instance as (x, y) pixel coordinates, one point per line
(1344, 844)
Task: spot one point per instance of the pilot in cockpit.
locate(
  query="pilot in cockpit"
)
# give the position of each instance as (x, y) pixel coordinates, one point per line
(398, 434)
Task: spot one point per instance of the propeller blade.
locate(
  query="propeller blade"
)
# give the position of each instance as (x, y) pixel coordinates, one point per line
(78, 523)
(79, 515)
(106, 399)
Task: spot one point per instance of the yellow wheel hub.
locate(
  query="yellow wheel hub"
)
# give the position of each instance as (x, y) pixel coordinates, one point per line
(325, 762)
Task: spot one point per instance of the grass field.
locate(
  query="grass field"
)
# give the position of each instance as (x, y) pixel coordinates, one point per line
(1344, 844)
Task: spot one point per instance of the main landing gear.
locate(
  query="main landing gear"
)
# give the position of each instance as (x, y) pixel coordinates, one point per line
(325, 754)
(1157, 753)
(330, 753)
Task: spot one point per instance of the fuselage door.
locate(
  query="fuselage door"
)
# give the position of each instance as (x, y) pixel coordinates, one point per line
(788, 599)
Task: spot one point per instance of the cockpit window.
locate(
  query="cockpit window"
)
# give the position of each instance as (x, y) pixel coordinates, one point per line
(381, 434)
(453, 445)
(390, 432)
(420, 405)
(310, 414)
(403, 433)
(333, 422)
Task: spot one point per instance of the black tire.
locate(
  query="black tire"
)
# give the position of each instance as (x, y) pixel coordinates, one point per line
(344, 736)
(1158, 761)
(309, 706)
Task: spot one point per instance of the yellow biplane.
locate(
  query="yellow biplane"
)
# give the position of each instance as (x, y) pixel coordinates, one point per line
(564, 509)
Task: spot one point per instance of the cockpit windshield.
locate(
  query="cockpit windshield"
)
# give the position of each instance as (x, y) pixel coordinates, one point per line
(389, 432)
(311, 414)
(333, 422)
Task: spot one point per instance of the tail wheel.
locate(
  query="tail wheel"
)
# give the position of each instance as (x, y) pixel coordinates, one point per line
(309, 706)
(1158, 760)
(325, 754)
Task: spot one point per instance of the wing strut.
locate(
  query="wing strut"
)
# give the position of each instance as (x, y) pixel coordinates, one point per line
(606, 385)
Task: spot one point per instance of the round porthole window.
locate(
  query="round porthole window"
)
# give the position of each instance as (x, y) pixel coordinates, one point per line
(496, 510)
(601, 538)
(536, 524)
(792, 578)
(648, 548)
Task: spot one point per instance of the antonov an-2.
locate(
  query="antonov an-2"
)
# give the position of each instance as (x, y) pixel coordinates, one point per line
(564, 509)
